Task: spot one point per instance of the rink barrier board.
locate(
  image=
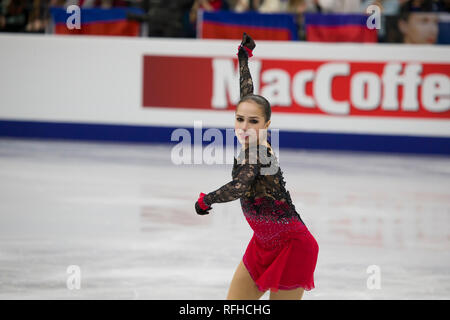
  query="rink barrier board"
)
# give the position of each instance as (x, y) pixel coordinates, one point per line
(67, 88)
(287, 139)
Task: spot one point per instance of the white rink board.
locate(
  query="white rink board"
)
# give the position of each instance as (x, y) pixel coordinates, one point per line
(99, 80)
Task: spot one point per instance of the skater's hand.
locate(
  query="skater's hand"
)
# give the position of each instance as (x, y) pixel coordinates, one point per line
(201, 206)
(200, 211)
(246, 47)
(248, 42)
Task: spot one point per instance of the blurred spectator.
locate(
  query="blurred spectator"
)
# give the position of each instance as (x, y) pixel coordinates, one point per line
(297, 6)
(408, 21)
(57, 3)
(105, 4)
(339, 6)
(273, 6)
(446, 6)
(388, 7)
(167, 18)
(418, 21)
(13, 15)
(207, 5)
(210, 5)
(302, 6)
(38, 16)
(243, 5)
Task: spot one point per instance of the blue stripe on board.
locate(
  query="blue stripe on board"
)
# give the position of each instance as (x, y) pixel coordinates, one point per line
(288, 139)
(329, 20)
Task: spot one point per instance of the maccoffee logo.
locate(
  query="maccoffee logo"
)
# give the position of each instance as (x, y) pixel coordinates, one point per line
(315, 87)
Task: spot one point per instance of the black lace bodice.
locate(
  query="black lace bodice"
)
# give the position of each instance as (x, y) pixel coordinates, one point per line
(258, 181)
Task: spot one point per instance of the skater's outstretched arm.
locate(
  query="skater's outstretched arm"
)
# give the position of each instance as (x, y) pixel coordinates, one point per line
(241, 183)
(245, 78)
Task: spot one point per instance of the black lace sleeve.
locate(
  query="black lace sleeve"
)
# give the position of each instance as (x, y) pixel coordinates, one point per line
(244, 175)
(245, 78)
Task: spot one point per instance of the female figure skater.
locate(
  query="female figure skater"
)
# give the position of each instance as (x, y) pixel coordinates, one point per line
(282, 254)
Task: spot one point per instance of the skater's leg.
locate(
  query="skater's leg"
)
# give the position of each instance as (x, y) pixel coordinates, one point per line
(294, 294)
(242, 286)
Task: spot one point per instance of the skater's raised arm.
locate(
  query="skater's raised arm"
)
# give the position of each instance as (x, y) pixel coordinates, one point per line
(245, 78)
(247, 171)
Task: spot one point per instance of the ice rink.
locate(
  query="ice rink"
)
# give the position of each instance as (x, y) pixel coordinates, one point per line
(124, 214)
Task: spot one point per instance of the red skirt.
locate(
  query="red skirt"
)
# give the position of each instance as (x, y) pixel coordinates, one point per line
(283, 267)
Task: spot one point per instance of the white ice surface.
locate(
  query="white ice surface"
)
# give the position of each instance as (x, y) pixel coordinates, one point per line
(125, 215)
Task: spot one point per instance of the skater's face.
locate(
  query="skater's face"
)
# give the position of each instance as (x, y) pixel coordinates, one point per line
(250, 123)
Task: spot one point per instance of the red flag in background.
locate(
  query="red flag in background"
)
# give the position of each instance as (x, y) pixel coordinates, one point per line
(338, 28)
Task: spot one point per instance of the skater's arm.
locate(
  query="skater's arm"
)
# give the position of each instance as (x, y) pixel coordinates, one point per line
(245, 78)
(241, 183)
(236, 188)
(248, 170)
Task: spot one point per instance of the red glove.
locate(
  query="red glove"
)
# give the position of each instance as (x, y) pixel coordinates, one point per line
(249, 52)
(200, 206)
(247, 44)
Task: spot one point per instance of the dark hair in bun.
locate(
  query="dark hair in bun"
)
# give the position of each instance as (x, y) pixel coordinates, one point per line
(261, 101)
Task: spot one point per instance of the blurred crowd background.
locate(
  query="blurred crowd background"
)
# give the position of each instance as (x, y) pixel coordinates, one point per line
(408, 21)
